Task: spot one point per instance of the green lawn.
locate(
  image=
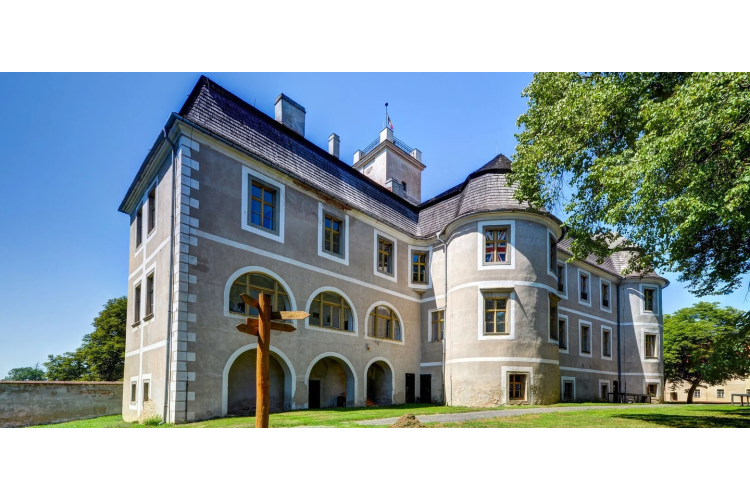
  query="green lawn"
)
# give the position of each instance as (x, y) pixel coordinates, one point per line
(618, 416)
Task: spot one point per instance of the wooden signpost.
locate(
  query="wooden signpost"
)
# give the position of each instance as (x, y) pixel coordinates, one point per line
(261, 328)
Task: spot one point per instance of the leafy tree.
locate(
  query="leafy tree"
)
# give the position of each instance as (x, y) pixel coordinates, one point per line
(658, 162)
(102, 354)
(26, 373)
(707, 344)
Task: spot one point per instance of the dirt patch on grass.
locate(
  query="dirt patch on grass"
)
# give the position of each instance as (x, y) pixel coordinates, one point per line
(407, 421)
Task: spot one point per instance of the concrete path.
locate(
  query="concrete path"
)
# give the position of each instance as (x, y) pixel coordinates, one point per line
(479, 415)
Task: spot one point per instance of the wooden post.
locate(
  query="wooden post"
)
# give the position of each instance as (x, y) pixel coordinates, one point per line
(263, 383)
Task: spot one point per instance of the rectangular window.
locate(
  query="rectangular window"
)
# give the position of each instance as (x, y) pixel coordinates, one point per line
(552, 254)
(517, 387)
(437, 325)
(496, 245)
(604, 390)
(719, 393)
(648, 300)
(495, 314)
(562, 329)
(651, 389)
(146, 390)
(568, 390)
(139, 228)
(137, 311)
(585, 339)
(606, 343)
(385, 256)
(605, 295)
(584, 287)
(149, 296)
(152, 210)
(332, 235)
(697, 393)
(561, 278)
(649, 350)
(673, 396)
(133, 391)
(553, 318)
(419, 267)
(263, 206)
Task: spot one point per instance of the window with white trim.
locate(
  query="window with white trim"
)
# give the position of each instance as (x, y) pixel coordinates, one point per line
(139, 228)
(437, 325)
(133, 391)
(606, 342)
(552, 250)
(137, 305)
(253, 284)
(384, 324)
(652, 389)
(419, 266)
(496, 313)
(697, 393)
(152, 210)
(263, 209)
(147, 390)
(649, 345)
(562, 329)
(385, 256)
(561, 279)
(719, 393)
(553, 333)
(333, 231)
(517, 387)
(569, 390)
(584, 292)
(604, 390)
(331, 310)
(149, 296)
(496, 245)
(604, 295)
(585, 338)
(649, 299)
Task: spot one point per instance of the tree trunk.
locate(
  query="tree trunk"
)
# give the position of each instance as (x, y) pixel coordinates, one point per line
(692, 389)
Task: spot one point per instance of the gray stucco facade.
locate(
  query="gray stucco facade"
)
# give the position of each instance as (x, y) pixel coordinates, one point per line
(199, 366)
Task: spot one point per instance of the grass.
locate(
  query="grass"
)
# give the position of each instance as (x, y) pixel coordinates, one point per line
(673, 415)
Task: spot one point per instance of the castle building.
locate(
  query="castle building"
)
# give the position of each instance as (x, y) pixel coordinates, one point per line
(466, 298)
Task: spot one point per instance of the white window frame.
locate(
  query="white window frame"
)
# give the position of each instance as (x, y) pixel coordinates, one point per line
(248, 172)
(400, 320)
(590, 354)
(718, 396)
(145, 378)
(696, 393)
(604, 382)
(394, 257)
(429, 323)
(601, 341)
(550, 234)
(510, 314)
(136, 323)
(657, 346)
(345, 244)
(133, 405)
(153, 185)
(557, 321)
(564, 293)
(142, 245)
(507, 371)
(511, 249)
(653, 381)
(428, 267)
(151, 271)
(578, 287)
(567, 328)
(562, 387)
(602, 282)
(355, 319)
(644, 312)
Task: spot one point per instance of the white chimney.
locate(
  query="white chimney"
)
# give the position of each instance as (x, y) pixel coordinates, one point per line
(290, 114)
(333, 145)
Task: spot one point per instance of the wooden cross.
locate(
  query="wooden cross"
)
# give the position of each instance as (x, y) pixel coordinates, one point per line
(261, 328)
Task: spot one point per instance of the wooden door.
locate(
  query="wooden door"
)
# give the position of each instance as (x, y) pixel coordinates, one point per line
(410, 387)
(425, 388)
(313, 400)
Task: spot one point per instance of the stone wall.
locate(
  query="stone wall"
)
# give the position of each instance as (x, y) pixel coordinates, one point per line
(34, 403)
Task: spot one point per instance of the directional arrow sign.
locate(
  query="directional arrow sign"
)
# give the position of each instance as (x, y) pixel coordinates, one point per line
(281, 327)
(250, 301)
(250, 330)
(289, 315)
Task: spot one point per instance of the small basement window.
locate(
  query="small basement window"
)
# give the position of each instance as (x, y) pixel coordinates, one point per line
(517, 387)
(146, 390)
(133, 391)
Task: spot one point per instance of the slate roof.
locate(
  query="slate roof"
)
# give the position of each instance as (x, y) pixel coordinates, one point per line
(226, 116)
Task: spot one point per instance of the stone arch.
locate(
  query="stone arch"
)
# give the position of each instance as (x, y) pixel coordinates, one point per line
(290, 377)
(377, 385)
(348, 368)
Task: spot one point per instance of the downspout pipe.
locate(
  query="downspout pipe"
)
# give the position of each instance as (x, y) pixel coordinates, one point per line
(445, 319)
(168, 363)
(619, 355)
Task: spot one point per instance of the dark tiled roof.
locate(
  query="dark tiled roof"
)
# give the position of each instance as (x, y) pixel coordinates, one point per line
(613, 264)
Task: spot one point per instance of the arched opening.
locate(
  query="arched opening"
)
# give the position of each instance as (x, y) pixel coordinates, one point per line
(379, 384)
(331, 383)
(240, 382)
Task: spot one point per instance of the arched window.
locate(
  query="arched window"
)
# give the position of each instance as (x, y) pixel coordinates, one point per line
(254, 284)
(384, 324)
(330, 310)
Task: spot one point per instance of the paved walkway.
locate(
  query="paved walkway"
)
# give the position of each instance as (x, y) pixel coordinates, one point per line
(479, 415)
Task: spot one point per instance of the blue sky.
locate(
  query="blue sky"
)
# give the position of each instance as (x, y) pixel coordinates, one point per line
(71, 144)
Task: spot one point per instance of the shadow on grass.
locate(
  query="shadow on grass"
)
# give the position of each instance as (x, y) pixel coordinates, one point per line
(692, 421)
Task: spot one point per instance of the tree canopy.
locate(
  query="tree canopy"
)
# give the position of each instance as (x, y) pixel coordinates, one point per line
(658, 162)
(707, 344)
(26, 373)
(102, 353)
